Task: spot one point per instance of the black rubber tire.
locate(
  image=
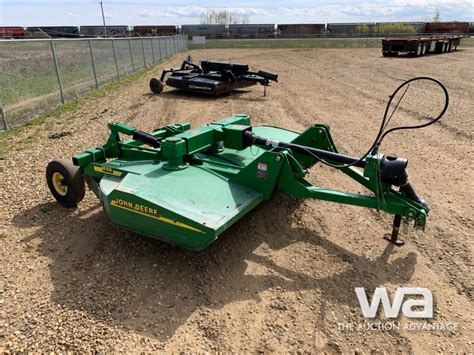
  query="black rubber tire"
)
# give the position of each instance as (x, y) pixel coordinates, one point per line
(455, 47)
(419, 49)
(72, 179)
(424, 48)
(428, 48)
(445, 47)
(450, 46)
(156, 85)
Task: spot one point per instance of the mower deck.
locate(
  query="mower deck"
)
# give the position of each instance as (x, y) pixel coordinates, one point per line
(211, 78)
(209, 84)
(178, 195)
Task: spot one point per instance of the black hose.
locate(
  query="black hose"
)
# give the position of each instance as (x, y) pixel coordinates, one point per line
(381, 134)
(441, 114)
(250, 138)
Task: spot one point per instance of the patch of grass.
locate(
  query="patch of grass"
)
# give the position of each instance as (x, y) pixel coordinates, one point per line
(69, 107)
(130, 118)
(20, 87)
(300, 43)
(467, 42)
(3, 236)
(28, 248)
(46, 208)
(290, 43)
(3, 152)
(30, 82)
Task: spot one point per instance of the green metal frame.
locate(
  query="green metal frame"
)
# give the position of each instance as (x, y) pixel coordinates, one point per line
(209, 148)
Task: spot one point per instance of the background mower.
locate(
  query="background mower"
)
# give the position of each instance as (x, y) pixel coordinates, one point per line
(187, 186)
(211, 78)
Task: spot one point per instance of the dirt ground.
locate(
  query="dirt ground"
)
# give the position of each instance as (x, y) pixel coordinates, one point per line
(283, 277)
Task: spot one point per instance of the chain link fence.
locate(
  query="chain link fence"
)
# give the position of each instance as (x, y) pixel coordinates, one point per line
(36, 76)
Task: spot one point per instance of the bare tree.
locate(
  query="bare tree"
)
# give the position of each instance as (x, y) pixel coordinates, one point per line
(223, 17)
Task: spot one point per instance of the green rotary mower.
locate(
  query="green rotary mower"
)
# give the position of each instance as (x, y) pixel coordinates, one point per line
(186, 186)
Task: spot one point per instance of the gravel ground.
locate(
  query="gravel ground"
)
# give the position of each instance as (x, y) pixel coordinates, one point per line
(282, 278)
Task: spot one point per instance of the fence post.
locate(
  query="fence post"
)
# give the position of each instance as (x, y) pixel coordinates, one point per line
(115, 59)
(143, 51)
(153, 51)
(131, 54)
(57, 71)
(161, 49)
(93, 65)
(4, 118)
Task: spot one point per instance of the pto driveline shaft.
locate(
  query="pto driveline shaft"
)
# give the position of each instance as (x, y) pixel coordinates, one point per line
(251, 138)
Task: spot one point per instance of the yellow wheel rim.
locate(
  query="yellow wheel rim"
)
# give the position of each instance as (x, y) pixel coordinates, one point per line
(58, 185)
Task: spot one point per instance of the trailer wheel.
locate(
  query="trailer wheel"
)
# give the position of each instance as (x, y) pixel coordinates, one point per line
(450, 46)
(445, 47)
(419, 49)
(455, 47)
(425, 48)
(156, 85)
(66, 182)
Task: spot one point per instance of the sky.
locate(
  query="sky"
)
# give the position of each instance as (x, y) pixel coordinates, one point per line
(178, 12)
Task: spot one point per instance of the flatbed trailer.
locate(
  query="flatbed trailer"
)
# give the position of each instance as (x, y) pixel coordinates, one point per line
(418, 46)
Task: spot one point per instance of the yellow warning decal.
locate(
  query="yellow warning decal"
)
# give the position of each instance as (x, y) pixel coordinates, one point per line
(107, 170)
(149, 212)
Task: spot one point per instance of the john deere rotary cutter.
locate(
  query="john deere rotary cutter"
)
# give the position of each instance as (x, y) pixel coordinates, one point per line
(186, 186)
